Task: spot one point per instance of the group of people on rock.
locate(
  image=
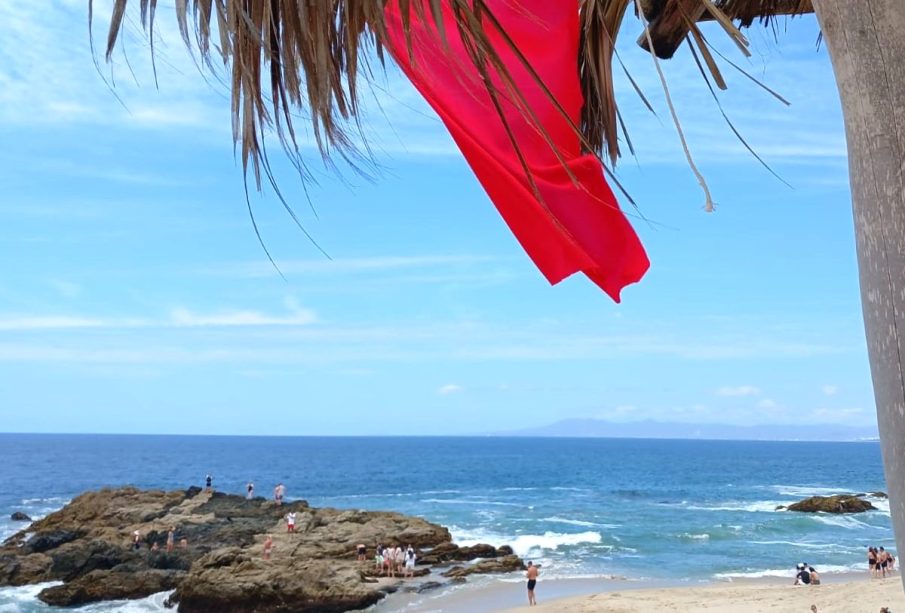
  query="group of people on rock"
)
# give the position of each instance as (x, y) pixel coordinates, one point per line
(880, 562)
(393, 560)
(153, 545)
(279, 492)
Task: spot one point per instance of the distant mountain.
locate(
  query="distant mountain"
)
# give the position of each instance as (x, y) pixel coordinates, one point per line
(655, 429)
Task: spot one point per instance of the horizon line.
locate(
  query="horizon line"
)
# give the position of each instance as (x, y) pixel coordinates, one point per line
(462, 436)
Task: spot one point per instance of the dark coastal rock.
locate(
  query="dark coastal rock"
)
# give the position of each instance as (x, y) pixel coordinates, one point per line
(449, 552)
(217, 563)
(244, 584)
(19, 516)
(100, 585)
(24, 569)
(73, 560)
(843, 503)
(45, 541)
(505, 564)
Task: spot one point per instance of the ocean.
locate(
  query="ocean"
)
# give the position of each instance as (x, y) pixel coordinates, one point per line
(649, 510)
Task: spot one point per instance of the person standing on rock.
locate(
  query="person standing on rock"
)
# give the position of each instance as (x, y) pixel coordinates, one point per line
(278, 492)
(362, 552)
(409, 562)
(209, 483)
(171, 539)
(136, 540)
(250, 488)
(378, 559)
(532, 583)
(268, 546)
(290, 521)
(400, 559)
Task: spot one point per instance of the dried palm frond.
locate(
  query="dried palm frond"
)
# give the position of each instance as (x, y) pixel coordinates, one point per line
(285, 56)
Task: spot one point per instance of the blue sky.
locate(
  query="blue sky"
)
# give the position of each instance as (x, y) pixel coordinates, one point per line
(135, 297)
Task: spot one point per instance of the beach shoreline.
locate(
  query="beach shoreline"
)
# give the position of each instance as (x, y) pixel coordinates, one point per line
(839, 593)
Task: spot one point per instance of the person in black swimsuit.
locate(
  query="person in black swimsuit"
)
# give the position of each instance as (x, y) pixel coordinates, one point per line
(532, 582)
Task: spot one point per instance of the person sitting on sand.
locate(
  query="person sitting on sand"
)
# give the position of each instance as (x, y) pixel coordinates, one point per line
(803, 577)
(815, 577)
(532, 583)
(268, 546)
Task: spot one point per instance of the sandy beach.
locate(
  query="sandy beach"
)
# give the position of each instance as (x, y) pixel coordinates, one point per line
(844, 595)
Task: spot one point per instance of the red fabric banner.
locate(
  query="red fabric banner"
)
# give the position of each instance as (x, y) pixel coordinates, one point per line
(572, 227)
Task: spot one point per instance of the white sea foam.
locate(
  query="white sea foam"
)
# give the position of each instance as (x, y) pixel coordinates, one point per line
(757, 574)
(53, 500)
(802, 491)
(474, 502)
(523, 544)
(578, 522)
(12, 599)
(820, 546)
(695, 537)
(759, 506)
(151, 604)
(824, 569)
(841, 521)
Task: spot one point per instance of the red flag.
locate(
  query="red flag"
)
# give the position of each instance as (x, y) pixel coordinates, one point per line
(572, 227)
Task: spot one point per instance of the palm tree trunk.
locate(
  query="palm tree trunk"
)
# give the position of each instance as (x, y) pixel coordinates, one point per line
(866, 41)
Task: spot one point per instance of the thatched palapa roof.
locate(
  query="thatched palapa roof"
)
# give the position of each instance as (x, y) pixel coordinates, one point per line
(285, 56)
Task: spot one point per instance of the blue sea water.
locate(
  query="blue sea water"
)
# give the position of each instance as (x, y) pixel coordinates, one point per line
(660, 510)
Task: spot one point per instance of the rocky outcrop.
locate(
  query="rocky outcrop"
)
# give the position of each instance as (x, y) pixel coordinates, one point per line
(450, 552)
(111, 585)
(19, 516)
(842, 503)
(504, 564)
(217, 563)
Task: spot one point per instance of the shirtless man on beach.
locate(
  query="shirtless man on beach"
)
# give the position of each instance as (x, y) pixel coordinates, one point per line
(532, 581)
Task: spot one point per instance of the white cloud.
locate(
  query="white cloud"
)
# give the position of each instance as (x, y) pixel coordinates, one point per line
(740, 390)
(450, 388)
(829, 390)
(181, 317)
(66, 289)
(178, 318)
(767, 403)
(836, 414)
(53, 322)
(344, 265)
